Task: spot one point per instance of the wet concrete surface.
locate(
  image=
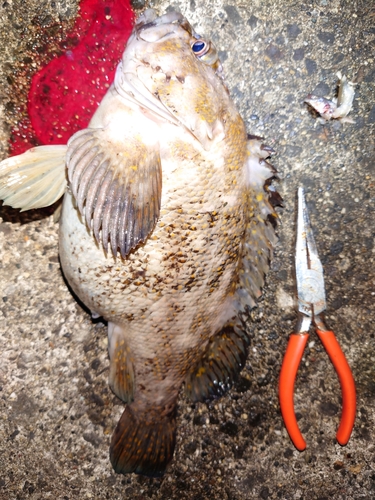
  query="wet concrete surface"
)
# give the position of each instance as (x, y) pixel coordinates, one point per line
(57, 412)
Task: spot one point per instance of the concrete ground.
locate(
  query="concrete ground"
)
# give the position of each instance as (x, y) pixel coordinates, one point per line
(57, 412)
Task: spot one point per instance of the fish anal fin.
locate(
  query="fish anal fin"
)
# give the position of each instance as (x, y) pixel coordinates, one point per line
(144, 440)
(121, 372)
(34, 179)
(220, 364)
(117, 186)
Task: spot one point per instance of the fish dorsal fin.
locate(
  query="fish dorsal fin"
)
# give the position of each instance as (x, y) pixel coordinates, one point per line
(34, 179)
(220, 364)
(117, 186)
(259, 237)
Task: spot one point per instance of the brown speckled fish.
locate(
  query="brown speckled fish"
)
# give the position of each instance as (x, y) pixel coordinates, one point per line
(165, 229)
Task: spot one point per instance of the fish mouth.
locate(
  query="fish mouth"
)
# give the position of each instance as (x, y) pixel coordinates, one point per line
(149, 19)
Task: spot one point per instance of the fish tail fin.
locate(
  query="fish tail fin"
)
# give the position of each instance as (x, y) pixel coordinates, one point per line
(220, 364)
(143, 441)
(34, 179)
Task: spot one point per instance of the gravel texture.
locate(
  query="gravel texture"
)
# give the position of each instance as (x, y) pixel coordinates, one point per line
(57, 412)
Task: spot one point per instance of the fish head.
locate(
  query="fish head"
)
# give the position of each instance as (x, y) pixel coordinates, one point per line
(323, 106)
(175, 41)
(174, 74)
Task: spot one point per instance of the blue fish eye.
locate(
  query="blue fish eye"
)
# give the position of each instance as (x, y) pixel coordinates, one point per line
(198, 46)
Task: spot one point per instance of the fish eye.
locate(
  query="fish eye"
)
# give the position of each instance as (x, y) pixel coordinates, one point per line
(200, 47)
(205, 51)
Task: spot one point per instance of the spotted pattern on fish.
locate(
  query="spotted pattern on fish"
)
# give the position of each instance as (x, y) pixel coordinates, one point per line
(166, 229)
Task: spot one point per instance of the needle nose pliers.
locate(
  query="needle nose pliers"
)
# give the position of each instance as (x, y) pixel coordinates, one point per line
(311, 304)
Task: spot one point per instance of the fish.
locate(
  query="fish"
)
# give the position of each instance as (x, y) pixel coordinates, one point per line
(336, 108)
(166, 231)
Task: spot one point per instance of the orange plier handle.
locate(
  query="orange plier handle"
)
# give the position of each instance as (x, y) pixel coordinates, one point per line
(289, 368)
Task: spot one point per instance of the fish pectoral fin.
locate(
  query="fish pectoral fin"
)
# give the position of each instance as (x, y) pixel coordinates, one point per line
(220, 364)
(34, 179)
(121, 372)
(144, 441)
(116, 182)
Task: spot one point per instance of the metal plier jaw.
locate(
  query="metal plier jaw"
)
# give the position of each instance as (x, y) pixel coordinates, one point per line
(311, 305)
(309, 273)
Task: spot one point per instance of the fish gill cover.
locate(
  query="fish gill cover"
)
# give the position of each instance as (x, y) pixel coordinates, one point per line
(65, 93)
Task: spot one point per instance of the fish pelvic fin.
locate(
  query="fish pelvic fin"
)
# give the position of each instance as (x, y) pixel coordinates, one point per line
(259, 236)
(34, 179)
(144, 440)
(121, 371)
(220, 364)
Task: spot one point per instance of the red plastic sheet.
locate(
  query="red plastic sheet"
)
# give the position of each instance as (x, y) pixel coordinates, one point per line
(66, 92)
